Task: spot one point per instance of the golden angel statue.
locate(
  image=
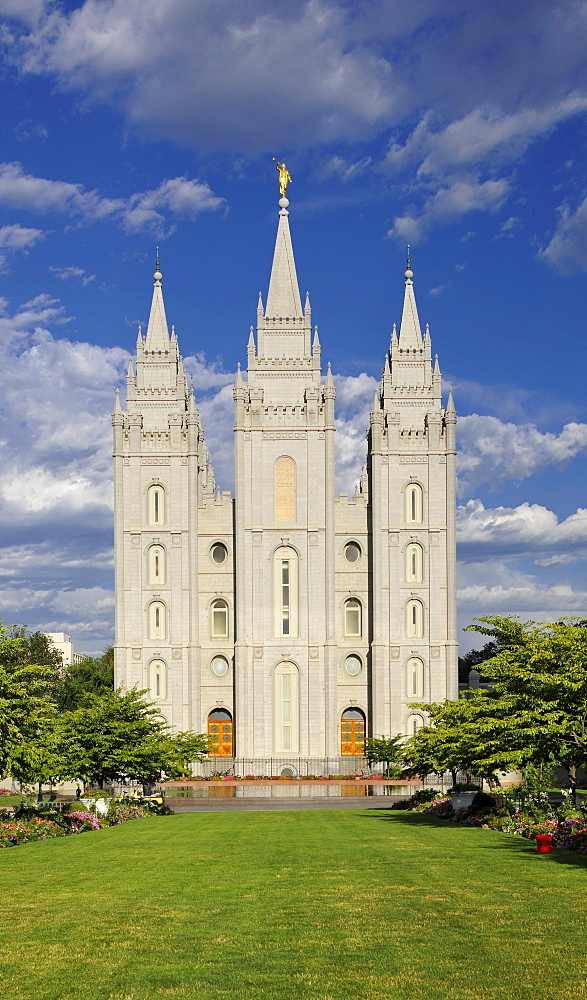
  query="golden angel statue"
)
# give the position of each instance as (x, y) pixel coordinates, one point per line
(284, 177)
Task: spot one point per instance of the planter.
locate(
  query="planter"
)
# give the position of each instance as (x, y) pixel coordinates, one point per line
(462, 800)
(544, 843)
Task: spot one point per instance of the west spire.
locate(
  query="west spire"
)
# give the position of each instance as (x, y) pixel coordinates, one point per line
(410, 335)
(157, 333)
(283, 298)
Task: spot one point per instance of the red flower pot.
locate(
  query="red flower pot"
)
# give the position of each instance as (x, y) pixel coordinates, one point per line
(544, 843)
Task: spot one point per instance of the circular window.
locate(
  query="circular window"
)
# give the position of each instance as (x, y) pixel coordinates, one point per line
(353, 665)
(219, 666)
(352, 552)
(219, 553)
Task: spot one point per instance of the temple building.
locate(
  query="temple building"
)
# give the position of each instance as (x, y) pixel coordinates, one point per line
(286, 622)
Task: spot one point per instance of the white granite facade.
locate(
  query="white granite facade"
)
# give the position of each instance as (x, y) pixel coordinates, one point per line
(286, 607)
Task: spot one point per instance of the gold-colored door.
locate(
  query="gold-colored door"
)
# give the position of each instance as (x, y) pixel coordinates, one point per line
(220, 738)
(352, 737)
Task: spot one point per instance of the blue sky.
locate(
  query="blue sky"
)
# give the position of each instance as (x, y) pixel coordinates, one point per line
(458, 127)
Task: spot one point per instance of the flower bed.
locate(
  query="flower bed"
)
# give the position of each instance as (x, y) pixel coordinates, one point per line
(20, 825)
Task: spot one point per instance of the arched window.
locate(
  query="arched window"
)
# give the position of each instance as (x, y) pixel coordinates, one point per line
(285, 591)
(220, 733)
(352, 617)
(415, 677)
(157, 620)
(156, 565)
(287, 708)
(156, 504)
(413, 724)
(414, 503)
(219, 619)
(414, 563)
(285, 490)
(158, 679)
(414, 620)
(352, 732)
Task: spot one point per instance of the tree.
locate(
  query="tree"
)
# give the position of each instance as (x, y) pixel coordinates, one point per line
(474, 658)
(89, 676)
(116, 735)
(540, 676)
(27, 716)
(384, 750)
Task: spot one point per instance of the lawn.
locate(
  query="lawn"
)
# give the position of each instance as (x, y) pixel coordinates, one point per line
(319, 905)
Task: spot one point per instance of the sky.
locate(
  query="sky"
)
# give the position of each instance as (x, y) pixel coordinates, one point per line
(459, 128)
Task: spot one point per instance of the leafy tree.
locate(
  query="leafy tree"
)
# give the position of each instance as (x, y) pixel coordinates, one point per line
(89, 676)
(115, 735)
(27, 716)
(474, 658)
(385, 750)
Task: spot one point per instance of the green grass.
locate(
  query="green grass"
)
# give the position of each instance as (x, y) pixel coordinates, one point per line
(315, 905)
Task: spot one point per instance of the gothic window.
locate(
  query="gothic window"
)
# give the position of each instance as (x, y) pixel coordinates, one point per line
(413, 724)
(219, 619)
(157, 620)
(353, 665)
(414, 563)
(352, 617)
(415, 678)
(414, 620)
(285, 490)
(219, 666)
(287, 709)
(352, 732)
(158, 679)
(285, 590)
(220, 733)
(156, 565)
(156, 504)
(414, 503)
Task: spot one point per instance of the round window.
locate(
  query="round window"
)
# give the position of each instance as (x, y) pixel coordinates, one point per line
(219, 666)
(219, 553)
(353, 665)
(352, 552)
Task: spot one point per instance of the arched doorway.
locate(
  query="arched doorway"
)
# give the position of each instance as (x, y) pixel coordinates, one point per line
(220, 733)
(352, 732)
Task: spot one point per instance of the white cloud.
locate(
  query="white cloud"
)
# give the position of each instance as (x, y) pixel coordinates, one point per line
(449, 203)
(526, 530)
(72, 272)
(178, 197)
(15, 237)
(492, 451)
(567, 250)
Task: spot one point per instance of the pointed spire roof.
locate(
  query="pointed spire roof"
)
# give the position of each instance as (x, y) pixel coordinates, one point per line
(410, 335)
(157, 333)
(283, 298)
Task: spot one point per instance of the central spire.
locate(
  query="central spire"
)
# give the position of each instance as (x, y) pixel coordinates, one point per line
(157, 332)
(283, 298)
(410, 335)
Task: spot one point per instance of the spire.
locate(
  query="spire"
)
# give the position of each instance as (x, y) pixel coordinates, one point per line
(130, 370)
(157, 333)
(139, 337)
(117, 406)
(329, 379)
(238, 382)
(450, 405)
(316, 341)
(410, 336)
(283, 298)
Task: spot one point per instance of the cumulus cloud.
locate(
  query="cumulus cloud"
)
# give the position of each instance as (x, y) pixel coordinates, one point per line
(179, 197)
(492, 450)
(14, 238)
(526, 530)
(450, 202)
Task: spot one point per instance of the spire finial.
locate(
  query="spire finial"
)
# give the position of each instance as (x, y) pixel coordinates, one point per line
(157, 276)
(409, 274)
(284, 180)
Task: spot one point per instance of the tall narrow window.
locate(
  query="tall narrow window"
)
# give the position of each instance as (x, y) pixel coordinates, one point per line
(156, 504)
(156, 565)
(414, 503)
(285, 575)
(415, 678)
(285, 490)
(414, 619)
(158, 679)
(287, 712)
(157, 620)
(219, 622)
(352, 617)
(414, 563)
(220, 733)
(352, 732)
(413, 724)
